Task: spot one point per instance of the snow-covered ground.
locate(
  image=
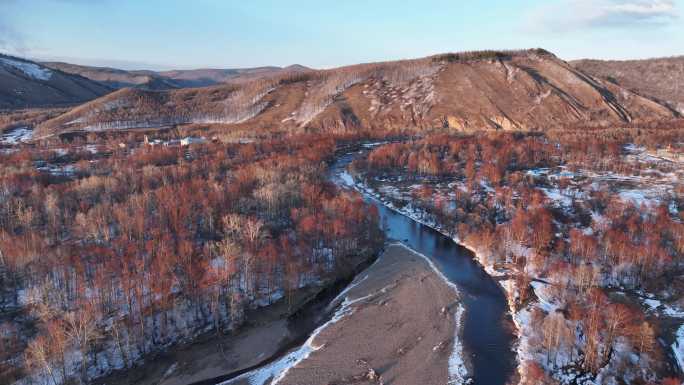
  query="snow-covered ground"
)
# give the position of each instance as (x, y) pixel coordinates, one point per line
(458, 372)
(660, 308)
(347, 179)
(66, 170)
(641, 154)
(16, 136)
(678, 348)
(30, 69)
(652, 181)
(650, 187)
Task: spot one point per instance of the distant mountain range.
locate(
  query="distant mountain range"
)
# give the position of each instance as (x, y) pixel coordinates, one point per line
(24, 83)
(165, 80)
(510, 90)
(29, 84)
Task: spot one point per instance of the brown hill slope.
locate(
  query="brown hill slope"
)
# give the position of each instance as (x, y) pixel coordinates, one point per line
(661, 78)
(24, 83)
(521, 90)
(211, 76)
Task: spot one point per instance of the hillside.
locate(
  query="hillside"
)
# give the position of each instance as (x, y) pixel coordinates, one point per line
(115, 78)
(166, 80)
(24, 83)
(662, 78)
(521, 90)
(211, 76)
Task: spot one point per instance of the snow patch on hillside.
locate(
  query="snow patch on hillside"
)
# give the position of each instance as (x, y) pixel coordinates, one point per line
(30, 69)
(16, 136)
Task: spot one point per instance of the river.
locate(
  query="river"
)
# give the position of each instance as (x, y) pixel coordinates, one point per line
(486, 336)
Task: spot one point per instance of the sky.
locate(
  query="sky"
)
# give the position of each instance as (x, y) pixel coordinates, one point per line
(166, 34)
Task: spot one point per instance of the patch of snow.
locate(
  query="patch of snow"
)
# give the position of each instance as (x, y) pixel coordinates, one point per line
(672, 312)
(486, 186)
(31, 69)
(678, 347)
(458, 371)
(373, 144)
(653, 304)
(545, 302)
(346, 178)
(192, 140)
(91, 148)
(16, 136)
(57, 170)
(555, 195)
(536, 172)
(659, 307)
(635, 196)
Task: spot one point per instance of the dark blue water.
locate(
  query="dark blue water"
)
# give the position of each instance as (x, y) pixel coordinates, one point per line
(486, 337)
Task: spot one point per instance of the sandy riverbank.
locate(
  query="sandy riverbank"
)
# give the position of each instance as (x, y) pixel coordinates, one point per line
(400, 329)
(507, 284)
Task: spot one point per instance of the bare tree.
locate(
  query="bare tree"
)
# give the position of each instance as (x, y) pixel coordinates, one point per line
(81, 328)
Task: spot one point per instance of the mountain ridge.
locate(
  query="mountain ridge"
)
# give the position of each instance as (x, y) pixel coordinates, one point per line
(25, 83)
(501, 90)
(170, 79)
(660, 78)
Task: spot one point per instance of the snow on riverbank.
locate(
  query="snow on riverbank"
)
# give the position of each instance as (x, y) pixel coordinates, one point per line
(458, 372)
(277, 370)
(347, 179)
(678, 348)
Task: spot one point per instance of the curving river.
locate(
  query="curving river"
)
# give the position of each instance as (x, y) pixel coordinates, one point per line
(486, 338)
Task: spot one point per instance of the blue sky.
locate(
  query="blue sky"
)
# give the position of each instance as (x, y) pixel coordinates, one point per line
(160, 34)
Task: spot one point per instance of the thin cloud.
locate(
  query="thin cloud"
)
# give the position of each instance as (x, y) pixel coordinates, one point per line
(11, 40)
(575, 14)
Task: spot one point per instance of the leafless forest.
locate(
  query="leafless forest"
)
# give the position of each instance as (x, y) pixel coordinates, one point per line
(145, 219)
